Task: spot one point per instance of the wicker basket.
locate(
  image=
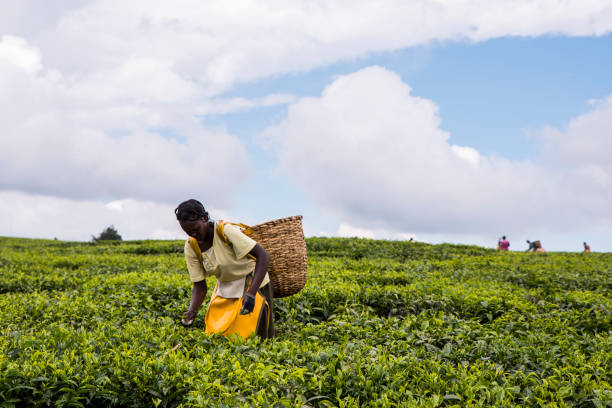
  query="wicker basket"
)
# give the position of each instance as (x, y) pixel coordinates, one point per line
(284, 241)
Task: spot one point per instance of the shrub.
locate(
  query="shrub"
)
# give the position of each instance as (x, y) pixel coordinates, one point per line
(109, 234)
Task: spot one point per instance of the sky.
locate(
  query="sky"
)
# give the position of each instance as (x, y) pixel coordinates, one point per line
(441, 121)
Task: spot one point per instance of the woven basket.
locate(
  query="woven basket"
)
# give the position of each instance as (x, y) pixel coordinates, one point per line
(284, 241)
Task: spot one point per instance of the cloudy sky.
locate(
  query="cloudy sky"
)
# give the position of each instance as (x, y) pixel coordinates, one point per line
(445, 121)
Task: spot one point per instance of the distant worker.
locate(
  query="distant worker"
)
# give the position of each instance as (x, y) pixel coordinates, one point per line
(535, 246)
(503, 244)
(587, 248)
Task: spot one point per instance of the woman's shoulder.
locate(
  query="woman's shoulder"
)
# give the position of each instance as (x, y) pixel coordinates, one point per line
(228, 231)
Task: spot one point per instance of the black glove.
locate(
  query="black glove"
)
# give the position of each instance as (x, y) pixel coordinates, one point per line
(188, 318)
(248, 303)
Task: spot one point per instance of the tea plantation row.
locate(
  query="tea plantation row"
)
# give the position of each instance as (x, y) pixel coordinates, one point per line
(379, 324)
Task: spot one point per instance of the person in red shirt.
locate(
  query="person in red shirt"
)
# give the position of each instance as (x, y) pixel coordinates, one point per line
(503, 244)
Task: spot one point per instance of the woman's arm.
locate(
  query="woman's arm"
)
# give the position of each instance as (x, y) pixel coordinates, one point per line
(262, 259)
(198, 293)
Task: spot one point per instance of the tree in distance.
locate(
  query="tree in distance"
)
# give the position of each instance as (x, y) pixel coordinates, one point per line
(109, 234)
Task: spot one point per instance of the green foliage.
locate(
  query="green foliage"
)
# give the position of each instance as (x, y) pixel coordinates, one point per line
(109, 234)
(358, 248)
(379, 324)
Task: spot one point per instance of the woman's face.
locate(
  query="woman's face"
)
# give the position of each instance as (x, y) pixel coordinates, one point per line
(196, 229)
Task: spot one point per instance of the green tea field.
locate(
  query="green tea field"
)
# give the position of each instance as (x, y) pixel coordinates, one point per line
(379, 324)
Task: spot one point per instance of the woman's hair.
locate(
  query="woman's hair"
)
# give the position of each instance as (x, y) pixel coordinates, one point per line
(190, 210)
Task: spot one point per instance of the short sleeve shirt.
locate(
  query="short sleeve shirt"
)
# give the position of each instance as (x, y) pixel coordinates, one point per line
(226, 262)
(504, 244)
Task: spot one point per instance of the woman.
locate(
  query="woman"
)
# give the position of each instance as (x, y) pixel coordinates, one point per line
(229, 262)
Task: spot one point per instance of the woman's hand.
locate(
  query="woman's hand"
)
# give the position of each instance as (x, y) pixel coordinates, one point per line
(188, 318)
(198, 293)
(248, 303)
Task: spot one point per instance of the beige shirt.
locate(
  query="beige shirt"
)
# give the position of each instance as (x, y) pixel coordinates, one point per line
(227, 262)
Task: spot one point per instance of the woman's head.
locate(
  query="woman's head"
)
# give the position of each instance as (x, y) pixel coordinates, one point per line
(193, 218)
(191, 210)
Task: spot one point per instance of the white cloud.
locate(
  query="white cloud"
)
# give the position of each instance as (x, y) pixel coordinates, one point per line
(15, 51)
(581, 155)
(350, 231)
(587, 138)
(215, 44)
(100, 98)
(138, 80)
(346, 230)
(467, 153)
(42, 216)
(374, 154)
(122, 137)
(224, 106)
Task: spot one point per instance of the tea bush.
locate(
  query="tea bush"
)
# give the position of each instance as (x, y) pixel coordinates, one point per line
(379, 324)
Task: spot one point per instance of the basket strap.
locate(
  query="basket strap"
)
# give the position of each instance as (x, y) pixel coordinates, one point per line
(193, 243)
(245, 230)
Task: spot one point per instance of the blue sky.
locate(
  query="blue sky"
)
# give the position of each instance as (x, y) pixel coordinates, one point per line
(446, 123)
(494, 96)
(521, 84)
